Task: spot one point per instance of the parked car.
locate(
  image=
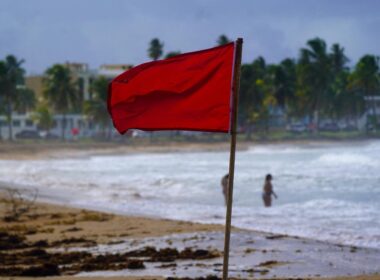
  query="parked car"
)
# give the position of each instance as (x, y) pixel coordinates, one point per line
(140, 134)
(329, 127)
(28, 134)
(48, 135)
(296, 127)
(51, 136)
(348, 127)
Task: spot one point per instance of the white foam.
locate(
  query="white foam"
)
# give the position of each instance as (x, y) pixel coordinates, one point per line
(347, 159)
(329, 193)
(270, 149)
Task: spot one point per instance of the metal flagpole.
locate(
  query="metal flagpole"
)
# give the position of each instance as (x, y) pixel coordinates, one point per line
(235, 92)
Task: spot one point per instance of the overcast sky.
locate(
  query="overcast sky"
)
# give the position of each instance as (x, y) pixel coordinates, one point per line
(44, 32)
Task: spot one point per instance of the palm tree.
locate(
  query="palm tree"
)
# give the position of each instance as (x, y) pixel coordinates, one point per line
(155, 49)
(283, 80)
(2, 91)
(60, 91)
(222, 40)
(339, 104)
(251, 93)
(348, 102)
(25, 99)
(43, 117)
(338, 59)
(96, 108)
(314, 77)
(14, 94)
(365, 78)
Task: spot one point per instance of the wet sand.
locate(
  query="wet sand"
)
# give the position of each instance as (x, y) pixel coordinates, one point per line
(369, 277)
(41, 238)
(36, 150)
(53, 240)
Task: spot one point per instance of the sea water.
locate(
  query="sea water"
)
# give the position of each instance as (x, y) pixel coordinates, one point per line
(329, 192)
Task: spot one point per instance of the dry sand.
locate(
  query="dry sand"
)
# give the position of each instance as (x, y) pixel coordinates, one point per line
(51, 227)
(52, 222)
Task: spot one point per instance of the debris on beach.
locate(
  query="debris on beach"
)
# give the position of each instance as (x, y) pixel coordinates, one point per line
(18, 257)
(276, 236)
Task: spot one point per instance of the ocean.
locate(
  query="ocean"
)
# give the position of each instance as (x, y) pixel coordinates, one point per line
(327, 191)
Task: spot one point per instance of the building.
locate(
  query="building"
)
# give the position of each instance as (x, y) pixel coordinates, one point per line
(20, 122)
(35, 82)
(112, 70)
(84, 76)
(371, 114)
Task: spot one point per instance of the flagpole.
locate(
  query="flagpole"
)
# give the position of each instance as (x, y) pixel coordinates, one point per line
(235, 92)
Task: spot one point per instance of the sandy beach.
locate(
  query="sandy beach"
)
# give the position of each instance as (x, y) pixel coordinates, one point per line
(60, 242)
(53, 240)
(35, 150)
(40, 150)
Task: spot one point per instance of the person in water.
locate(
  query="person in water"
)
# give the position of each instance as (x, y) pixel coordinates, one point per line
(224, 184)
(268, 191)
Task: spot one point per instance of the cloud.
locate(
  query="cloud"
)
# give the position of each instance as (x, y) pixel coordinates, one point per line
(45, 32)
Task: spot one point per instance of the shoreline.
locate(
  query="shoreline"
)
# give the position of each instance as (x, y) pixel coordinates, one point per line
(147, 218)
(46, 150)
(46, 199)
(65, 229)
(61, 233)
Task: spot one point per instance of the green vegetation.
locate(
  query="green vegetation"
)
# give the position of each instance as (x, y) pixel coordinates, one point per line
(155, 49)
(222, 40)
(13, 93)
(316, 86)
(43, 117)
(96, 108)
(60, 91)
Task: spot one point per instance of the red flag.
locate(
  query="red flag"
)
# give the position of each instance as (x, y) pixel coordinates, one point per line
(191, 91)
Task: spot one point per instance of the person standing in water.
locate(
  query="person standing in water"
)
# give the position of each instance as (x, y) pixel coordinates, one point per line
(224, 184)
(268, 191)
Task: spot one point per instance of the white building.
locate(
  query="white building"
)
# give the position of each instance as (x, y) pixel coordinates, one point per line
(19, 123)
(372, 105)
(75, 124)
(86, 128)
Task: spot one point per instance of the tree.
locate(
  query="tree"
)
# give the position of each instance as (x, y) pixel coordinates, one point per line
(283, 81)
(314, 77)
(2, 90)
(365, 79)
(341, 101)
(171, 54)
(252, 94)
(222, 40)
(25, 100)
(14, 94)
(3, 79)
(96, 108)
(338, 59)
(155, 49)
(348, 102)
(43, 117)
(60, 91)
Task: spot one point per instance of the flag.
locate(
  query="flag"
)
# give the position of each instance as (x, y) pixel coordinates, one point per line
(191, 91)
